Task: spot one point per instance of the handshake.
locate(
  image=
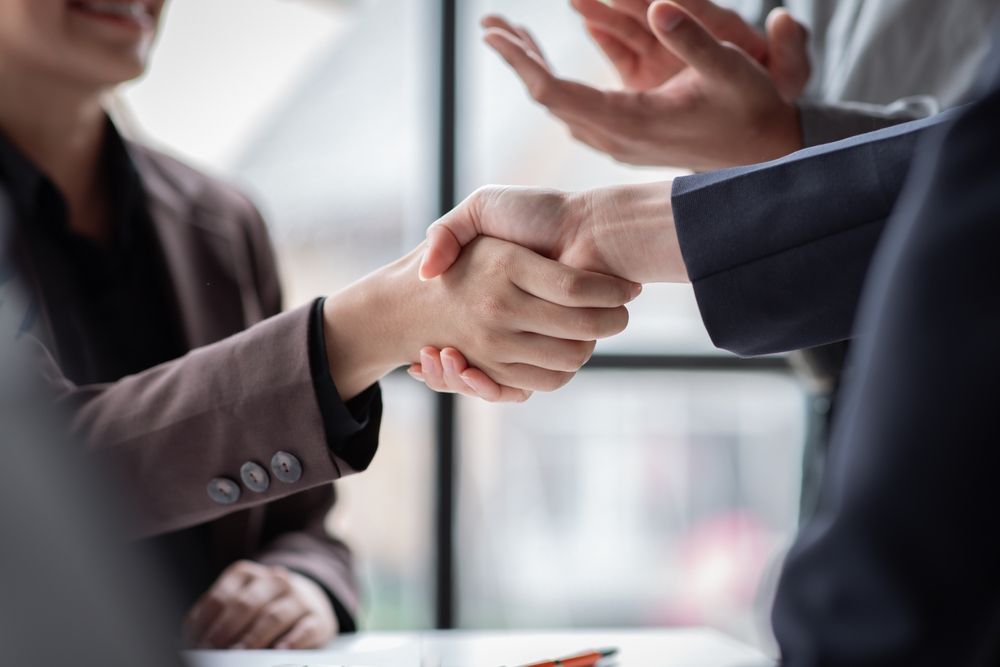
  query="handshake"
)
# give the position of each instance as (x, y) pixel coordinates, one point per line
(509, 293)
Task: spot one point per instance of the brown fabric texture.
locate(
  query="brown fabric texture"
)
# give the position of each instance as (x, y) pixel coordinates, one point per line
(242, 393)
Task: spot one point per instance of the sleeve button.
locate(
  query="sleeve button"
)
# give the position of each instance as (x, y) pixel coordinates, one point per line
(224, 491)
(286, 467)
(255, 477)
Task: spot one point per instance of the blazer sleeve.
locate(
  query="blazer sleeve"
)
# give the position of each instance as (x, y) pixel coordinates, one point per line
(777, 252)
(899, 564)
(294, 530)
(173, 429)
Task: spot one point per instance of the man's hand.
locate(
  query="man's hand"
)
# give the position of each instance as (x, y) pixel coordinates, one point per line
(703, 89)
(625, 231)
(253, 606)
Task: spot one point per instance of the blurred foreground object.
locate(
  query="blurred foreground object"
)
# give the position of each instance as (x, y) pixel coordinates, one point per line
(70, 582)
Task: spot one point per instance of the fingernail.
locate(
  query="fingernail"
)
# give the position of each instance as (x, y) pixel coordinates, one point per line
(429, 364)
(448, 363)
(415, 375)
(636, 290)
(469, 383)
(667, 17)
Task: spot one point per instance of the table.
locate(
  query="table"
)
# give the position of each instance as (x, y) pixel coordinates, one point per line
(675, 647)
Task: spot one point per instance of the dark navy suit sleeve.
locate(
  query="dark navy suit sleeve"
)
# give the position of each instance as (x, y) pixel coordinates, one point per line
(777, 252)
(901, 564)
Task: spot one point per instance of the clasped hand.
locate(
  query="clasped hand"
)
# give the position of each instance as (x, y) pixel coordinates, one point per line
(584, 237)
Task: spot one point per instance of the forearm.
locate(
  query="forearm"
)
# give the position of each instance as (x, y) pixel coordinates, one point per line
(171, 430)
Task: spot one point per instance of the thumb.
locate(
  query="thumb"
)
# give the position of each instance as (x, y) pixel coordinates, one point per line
(689, 40)
(446, 237)
(442, 251)
(788, 59)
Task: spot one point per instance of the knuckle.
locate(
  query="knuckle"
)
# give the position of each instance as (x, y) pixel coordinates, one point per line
(493, 308)
(243, 567)
(571, 285)
(493, 341)
(481, 195)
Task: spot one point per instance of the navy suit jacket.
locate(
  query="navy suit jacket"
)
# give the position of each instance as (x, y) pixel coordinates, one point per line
(901, 563)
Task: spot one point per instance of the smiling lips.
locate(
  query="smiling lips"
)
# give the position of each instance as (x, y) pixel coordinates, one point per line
(136, 13)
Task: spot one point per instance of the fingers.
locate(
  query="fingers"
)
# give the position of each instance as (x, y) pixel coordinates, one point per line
(273, 620)
(634, 8)
(443, 247)
(306, 633)
(491, 391)
(496, 21)
(566, 286)
(210, 605)
(690, 41)
(621, 56)
(526, 375)
(629, 30)
(230, 606)
(554, 354)
(788, 60)
(728, 26)
(547, 89)
(456, 373)
(242, 608)
(441, 371)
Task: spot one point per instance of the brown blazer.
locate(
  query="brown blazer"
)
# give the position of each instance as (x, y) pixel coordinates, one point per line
(242, 393)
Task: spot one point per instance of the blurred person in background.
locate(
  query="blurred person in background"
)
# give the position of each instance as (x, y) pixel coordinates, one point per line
(154, 291)
(849, 67)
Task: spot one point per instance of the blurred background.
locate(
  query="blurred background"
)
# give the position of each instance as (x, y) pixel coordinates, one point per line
(660, 488)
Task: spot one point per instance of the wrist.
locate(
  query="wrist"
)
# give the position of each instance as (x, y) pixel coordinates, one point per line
(631, 232)
(365, 330)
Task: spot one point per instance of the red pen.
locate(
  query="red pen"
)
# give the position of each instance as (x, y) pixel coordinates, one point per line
(588, 659)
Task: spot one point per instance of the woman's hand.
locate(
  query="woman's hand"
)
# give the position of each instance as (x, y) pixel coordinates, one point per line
(525, 321)
(254, 606)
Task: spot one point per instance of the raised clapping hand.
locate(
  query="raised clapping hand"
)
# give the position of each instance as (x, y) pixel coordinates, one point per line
(623, 231)
(703, 89)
